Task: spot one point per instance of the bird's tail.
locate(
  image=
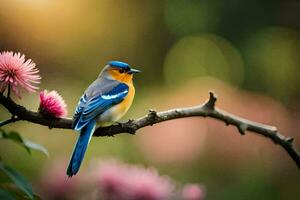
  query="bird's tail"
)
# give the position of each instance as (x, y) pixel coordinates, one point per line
(80, 148)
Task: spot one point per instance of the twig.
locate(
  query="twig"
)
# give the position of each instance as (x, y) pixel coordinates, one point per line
(8, 91)
(207, 109)
(8, 121)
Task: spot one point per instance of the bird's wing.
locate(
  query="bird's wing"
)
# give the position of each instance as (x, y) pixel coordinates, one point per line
(81, 104)
(91, 107)
(99, 87)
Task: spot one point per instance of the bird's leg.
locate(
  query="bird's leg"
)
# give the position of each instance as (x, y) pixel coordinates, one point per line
(110, 134)
(119, 124)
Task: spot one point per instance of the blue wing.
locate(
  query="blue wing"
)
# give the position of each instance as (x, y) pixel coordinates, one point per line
(91, 108)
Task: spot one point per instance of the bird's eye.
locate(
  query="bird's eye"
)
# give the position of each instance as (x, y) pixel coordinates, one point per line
(121, 71)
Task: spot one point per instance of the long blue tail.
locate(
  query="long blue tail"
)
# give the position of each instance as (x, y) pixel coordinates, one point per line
(80, 148)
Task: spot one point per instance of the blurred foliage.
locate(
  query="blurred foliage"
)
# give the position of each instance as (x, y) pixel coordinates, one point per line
(27, 144)
(5, 195)
(247, 51)
(9, 191)
(18, 180)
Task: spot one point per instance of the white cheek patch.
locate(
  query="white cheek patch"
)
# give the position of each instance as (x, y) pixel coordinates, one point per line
(108, 97)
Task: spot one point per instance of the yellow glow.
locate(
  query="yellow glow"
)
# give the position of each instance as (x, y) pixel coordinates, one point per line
(203, 55)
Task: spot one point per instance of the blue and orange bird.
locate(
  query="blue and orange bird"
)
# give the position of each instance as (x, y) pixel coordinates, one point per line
(105, 101)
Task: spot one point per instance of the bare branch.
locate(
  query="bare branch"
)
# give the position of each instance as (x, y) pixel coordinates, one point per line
(207, 109)
(24, 114)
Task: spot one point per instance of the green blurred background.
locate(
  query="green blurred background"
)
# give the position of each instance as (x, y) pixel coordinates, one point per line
(246, 51)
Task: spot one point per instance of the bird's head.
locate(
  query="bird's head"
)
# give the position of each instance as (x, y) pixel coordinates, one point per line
(119, 71)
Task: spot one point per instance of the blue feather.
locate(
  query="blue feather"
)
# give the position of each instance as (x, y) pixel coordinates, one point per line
(80, 148)
(79, 109)
(86, 114)
(119, 64)
(97, 105)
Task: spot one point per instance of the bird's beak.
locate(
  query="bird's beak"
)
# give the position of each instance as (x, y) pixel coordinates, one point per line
(134, 71)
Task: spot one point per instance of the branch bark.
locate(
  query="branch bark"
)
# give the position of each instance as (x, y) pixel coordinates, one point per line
(206, 109)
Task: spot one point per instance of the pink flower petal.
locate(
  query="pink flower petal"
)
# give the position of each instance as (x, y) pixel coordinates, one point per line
(193, 192)
(52, 104)
(121, 181)
(15, 70)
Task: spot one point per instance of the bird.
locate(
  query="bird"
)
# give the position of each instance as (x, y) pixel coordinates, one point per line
(104, 102)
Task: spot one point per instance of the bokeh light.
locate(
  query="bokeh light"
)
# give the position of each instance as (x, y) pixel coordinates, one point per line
(273, 54)
(203, 55)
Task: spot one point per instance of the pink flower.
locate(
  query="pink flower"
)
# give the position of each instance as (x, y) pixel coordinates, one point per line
(16, 71)
(146, 184)
(54, 184)
(127, 182)
(112, 180)
(193, 192)
(52, 104)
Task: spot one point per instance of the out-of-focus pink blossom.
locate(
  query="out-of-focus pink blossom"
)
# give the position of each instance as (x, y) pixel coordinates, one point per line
(52, 104)
(111, 177)
(15, 71)
(121, 181)
(54, 184)
(146, 184)
(193, 192)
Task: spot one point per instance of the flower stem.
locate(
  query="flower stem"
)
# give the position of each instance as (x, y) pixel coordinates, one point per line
(8, 91)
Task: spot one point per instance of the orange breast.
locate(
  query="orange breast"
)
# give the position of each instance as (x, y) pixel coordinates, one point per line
(118, 111)
(126, 103)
